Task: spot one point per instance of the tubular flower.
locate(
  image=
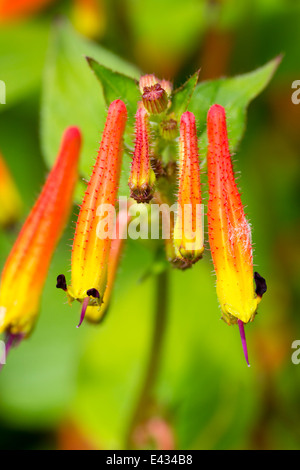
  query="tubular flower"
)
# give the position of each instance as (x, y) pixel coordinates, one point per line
(142, 176)
(188, 230)
(96, 313)
(229, 232)
(91, 246)
(26, 268)
(10, 200)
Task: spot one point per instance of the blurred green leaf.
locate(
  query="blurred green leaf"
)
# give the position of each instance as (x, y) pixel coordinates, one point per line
(166, 33)
(23, 48)
(116, 85)
(234, 94)
(115, 356)
(39, 377)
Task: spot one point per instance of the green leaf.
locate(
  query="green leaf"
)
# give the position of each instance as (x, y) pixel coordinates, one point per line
(234, 94)
(182, 97)
(23, 48)
(117, 85)
(71, 95)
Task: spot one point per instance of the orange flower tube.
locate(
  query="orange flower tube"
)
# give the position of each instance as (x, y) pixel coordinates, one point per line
(91, 248)
(188, 230)
(10, 200)
(26, 268)
(229, 232)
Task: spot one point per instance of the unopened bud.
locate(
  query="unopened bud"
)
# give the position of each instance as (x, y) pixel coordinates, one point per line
(155, 99)
(169, 129)
(142, 176)
(188, 231)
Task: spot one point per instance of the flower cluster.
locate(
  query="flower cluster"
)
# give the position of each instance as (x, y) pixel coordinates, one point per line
(154, 178)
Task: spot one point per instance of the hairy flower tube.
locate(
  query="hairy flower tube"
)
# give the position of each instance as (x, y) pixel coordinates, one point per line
(96, 314)
(142, 177)
(188, 230)
(229, 232)
(91, 245)
(10, 199)
(26, 268)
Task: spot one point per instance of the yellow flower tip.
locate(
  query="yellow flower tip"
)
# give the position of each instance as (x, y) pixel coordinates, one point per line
(188, 231)
(229, 231)
(10, 199)
(27, 265)
(91, 244)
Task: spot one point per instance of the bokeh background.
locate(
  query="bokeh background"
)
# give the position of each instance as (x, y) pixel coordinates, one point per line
(66, 388)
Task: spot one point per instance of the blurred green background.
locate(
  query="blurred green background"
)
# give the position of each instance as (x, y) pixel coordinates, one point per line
(66, 388)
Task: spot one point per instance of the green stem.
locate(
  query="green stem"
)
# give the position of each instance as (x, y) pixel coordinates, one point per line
(160, 321)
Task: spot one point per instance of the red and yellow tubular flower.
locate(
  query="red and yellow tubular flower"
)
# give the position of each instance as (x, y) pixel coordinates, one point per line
(91, 248)
(188, 230)
(10, 200)
(26, 268)
(229, 231)
(142, 177)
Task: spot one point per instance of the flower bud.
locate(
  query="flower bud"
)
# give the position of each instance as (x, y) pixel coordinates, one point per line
(188, 231)
(91, 247)
(151, 80)
(142, 177)
(229, 231)
(169, 129)
(26, 268)
(155, 99)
